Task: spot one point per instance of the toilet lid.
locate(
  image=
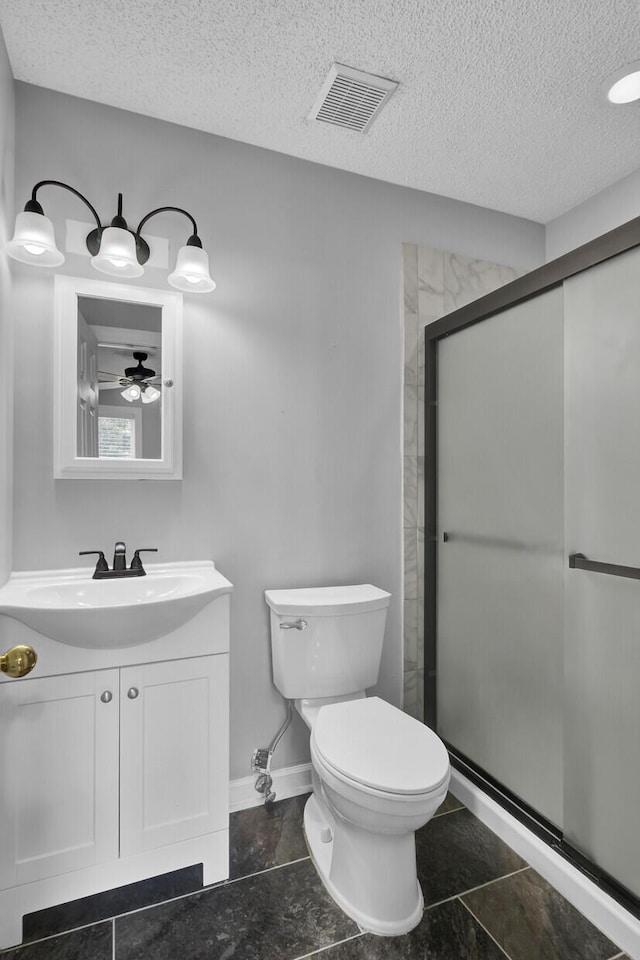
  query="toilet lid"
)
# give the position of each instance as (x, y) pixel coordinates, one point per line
(375, 744)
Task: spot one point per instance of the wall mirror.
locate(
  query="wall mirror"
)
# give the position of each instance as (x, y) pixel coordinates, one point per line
(118, 381)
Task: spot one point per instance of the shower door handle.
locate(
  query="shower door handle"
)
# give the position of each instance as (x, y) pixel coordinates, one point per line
(578, 561)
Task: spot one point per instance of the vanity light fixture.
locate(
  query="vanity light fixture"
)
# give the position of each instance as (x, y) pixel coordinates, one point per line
(623, 86)
(116, 250)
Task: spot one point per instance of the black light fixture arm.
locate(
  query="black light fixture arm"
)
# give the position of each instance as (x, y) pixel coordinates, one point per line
(107, 245)
(33, 206)
(95, 237)
(194, 239)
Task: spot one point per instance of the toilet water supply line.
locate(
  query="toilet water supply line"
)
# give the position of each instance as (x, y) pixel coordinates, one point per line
(261, 760)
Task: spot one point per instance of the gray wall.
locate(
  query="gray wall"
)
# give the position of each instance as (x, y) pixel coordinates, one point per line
(7, 114)
(293, 371)
(591, 218)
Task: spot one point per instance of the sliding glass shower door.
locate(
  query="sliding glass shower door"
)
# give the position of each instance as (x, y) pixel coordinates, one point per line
(538, 555)
(602, 521)
(500, 551)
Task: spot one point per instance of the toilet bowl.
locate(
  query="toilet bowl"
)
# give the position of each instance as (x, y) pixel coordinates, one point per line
(378, 774)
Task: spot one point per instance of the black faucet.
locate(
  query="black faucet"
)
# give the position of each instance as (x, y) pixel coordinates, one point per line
(136, 569)
(120, 556)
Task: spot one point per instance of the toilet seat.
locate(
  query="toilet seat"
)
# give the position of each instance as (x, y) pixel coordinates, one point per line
(370, 744)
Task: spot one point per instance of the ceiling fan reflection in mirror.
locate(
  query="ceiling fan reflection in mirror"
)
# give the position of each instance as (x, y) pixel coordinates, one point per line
(139, 382)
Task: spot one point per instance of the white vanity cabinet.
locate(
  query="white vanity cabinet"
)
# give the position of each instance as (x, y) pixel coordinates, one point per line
(113, 775)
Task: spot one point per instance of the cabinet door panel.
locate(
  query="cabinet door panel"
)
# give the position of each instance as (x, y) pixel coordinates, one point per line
(174, 752)
(59, 784)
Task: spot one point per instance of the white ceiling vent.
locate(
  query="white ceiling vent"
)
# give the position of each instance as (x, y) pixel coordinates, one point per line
(350, 98)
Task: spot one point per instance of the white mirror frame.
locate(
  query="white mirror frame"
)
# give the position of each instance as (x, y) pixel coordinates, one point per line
(67, 465)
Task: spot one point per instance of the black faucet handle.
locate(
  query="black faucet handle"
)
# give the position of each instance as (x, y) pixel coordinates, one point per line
(102, 564)
(136, 562)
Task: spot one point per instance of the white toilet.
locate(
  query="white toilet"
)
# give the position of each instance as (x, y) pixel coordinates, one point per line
(378, 774)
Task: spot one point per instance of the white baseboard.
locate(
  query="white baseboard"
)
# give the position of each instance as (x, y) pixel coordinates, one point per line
(603, 911)
(287, 782)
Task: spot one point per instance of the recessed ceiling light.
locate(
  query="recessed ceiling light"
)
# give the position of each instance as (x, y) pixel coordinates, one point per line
(623, 86)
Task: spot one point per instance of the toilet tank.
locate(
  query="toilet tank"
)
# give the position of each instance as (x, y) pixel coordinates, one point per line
(326, 641)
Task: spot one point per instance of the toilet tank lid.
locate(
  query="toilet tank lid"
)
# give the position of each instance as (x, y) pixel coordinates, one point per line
(327, 601)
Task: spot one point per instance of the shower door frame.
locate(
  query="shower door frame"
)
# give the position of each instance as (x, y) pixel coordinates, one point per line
(538, 281)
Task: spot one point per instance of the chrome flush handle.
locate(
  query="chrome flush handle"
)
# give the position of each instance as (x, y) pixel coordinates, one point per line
(296, 625)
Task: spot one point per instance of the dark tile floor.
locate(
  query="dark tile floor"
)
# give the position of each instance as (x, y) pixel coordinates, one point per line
(482, 902)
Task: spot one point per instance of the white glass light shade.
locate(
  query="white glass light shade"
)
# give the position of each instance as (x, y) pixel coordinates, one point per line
(132, 392)
(626, 89)
(117, 254)
(150, 393)
(192, 271)
(34, 241)
(623, 86)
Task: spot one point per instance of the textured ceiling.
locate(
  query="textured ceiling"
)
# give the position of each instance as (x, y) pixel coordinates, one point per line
(499, 104)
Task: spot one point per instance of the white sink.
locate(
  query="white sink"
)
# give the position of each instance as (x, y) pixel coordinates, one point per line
(67, 605)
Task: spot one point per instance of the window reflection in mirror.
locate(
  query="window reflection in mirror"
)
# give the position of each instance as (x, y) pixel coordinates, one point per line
(119, 371)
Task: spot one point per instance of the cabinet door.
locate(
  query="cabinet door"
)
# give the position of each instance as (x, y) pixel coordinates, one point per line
(174, 752)
(58, 775)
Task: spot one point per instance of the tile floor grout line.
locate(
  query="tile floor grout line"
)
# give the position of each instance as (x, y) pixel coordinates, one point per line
(439, 903)
(330, 946)
(276, 866)
(52, 936)
(445, 812)
(113, 938)
(617, 955)
(513, 873)
(463, 893)
(208, 888)
(488, 932)
(149, 906)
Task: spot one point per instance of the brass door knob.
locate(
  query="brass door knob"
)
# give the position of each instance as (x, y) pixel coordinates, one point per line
(18, 661)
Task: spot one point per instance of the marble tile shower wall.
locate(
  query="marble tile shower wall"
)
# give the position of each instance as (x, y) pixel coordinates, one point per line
(435, 283)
